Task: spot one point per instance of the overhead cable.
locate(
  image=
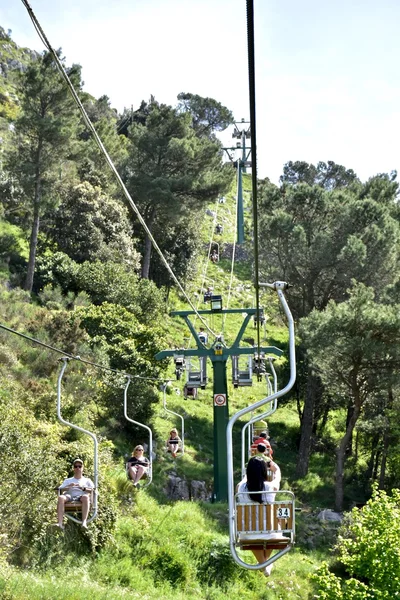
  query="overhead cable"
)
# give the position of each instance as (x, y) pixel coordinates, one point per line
(253, 138)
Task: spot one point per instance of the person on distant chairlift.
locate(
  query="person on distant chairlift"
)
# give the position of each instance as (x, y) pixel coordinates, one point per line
(219, 228)
(75, 489)
(137, 465)
(256, 480)
(203, 337)
(173, 442)
(214, 256)
(261, 439)
(263, 452)
(208, 293)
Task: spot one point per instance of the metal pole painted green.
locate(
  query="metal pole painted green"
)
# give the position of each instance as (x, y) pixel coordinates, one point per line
(239, 204)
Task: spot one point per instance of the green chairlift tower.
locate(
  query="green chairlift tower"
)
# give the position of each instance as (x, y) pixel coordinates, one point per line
(218, 353)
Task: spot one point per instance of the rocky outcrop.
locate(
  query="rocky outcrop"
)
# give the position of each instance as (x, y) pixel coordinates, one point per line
(178, 488)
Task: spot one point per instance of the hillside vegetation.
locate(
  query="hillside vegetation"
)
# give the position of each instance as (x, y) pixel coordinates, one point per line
(78, 274)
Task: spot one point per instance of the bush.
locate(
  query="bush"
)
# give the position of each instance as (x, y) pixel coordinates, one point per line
(368, 548)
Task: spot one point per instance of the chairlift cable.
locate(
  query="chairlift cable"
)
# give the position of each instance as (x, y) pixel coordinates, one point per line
(110, 163)
(253, 143)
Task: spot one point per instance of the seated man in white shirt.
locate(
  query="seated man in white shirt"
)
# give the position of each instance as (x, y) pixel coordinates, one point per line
(77, 488)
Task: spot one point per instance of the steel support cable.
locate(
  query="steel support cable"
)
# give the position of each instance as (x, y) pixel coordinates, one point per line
(77, 357)
(107, 157)
(253, 143)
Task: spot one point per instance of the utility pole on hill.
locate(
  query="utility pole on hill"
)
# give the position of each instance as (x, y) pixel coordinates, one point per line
(219, 353)
(243, 133)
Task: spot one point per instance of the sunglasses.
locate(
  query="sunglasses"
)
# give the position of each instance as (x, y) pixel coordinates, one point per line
(139, 450)
(78, 466)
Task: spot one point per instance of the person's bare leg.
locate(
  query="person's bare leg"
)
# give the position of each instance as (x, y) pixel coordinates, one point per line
(85, 509)
(132, 473)
(60, 510)
(139, 474)
(259, 554)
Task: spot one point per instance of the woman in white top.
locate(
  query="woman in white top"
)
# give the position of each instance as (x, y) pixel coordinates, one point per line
(256, 481)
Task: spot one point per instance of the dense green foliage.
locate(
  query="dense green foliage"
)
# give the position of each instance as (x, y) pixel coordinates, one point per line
(368, 548)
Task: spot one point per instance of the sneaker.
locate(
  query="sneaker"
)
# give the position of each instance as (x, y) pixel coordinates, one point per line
(267, 570)
(59, 526)
(84, 525)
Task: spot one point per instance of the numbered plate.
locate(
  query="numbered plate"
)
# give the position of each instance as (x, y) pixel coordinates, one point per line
(283, 513)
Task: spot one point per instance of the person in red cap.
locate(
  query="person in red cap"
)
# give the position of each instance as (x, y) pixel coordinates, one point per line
(262, 439)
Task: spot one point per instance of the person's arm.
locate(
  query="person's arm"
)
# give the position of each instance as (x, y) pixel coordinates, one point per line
(276, 480)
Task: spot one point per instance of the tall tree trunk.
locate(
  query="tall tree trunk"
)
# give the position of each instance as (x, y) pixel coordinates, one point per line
(147, 245)
(313, 393)
(371, 460)
(146, 258)
(35, 230)
(340, 459)
(385, 449)
(350, 410)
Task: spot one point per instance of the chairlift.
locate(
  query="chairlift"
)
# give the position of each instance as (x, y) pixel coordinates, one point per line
(171, 412)
(180, 364)
(149, 477)
(196, 376)
(222, 200)
(242, 375)
(259, 318)
(219, 229)
(214, 252)
(190, 392)
(208, 294)
(259, 365)
(271, 525)
(76, 507)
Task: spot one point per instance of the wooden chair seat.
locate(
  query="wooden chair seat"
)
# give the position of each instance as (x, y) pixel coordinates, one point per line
(73, 506)
(268, 526)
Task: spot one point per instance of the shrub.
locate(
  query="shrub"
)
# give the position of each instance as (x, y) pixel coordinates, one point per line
(368, 548)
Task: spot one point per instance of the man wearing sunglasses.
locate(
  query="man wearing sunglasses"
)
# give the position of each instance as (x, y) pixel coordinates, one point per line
(75, 489)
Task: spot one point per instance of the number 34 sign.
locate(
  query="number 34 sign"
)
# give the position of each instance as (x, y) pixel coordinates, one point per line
(219, 399)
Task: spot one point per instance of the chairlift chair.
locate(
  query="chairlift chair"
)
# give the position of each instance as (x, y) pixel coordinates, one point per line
(149, 477)
(190, 392)
(256, 525)
(242, 376)
(171, 412)
(197, 377)
(75, 507)
(269, 526)
(180, 365)
(259, 367)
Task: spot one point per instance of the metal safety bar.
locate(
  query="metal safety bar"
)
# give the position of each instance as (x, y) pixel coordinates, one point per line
(150, 471)
(279, 287)
(164, 387)
(65, 361)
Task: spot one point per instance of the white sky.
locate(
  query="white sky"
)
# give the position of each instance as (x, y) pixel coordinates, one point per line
(327, 73)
